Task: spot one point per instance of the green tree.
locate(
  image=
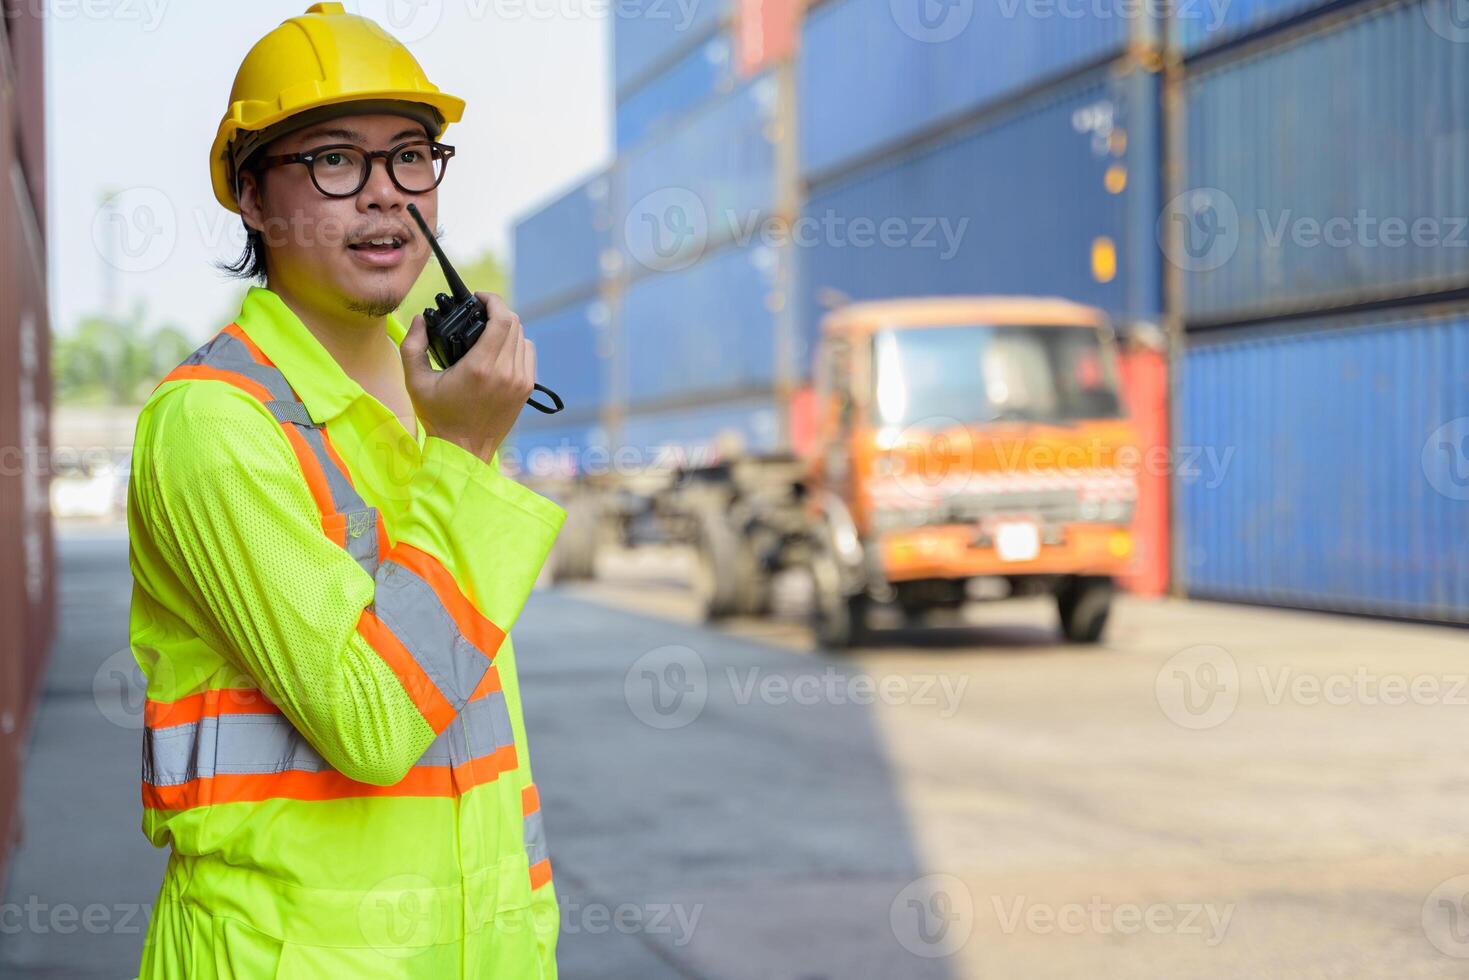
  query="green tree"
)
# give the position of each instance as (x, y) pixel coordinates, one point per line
(482, 274)
(110, 360)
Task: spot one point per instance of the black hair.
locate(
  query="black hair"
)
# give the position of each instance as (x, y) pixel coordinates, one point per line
(251, 263)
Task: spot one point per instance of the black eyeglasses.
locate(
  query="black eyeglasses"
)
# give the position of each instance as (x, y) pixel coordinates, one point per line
(343, 169)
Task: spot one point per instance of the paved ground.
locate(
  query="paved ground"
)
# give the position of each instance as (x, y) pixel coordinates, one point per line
(1217, 792)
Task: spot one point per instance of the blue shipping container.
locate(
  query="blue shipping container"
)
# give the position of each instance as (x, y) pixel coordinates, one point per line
(708, 328)
(698, 434)
(703, 183)
(558, 249)
(1045, 201)
(874, 72)
(1203, 24)
(555, 448)
(649, 35)
(573, 354)
(1327, 465)
(1327, 171)
(696, 77)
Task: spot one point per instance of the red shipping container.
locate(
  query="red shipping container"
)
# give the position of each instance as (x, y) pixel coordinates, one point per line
(1144, 372)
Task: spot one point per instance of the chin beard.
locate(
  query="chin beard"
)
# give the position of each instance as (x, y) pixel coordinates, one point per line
(374, 307)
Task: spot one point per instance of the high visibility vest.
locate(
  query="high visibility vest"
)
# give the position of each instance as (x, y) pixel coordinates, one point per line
(229, 749)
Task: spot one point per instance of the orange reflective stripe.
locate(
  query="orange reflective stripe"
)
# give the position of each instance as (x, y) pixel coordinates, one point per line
(259, 355)
(207, 704)
(186, 372)
(329, 784)
(476, 628)
(540, 873)
(436, 710)
(530, 799)
(488, 684)
(321, 491)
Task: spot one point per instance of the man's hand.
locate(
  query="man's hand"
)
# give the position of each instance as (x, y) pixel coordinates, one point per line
(474, 403)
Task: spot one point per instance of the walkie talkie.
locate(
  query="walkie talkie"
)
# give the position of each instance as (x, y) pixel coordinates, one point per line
(460, 319)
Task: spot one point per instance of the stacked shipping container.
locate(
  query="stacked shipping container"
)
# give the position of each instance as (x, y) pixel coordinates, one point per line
(1318, 156)
(26, 582)
(1323, 172)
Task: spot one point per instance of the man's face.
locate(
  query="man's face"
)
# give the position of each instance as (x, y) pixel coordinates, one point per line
(317, 246)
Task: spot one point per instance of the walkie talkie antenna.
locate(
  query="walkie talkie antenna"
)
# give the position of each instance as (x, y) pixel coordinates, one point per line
(461, 292)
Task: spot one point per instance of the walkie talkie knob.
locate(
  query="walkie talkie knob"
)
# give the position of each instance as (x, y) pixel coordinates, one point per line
(445, 301)
(430, 318)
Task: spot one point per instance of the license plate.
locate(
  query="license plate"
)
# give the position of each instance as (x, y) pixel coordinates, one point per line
(1017, 540)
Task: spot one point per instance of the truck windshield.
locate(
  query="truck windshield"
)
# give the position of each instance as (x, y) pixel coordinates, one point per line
(984, 373)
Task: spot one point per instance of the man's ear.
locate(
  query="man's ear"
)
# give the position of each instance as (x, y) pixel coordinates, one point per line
(252, 208)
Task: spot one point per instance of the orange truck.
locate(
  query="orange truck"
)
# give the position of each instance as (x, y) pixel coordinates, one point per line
(961, 449)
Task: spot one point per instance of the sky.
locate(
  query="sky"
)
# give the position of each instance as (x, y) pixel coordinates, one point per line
(136, 89)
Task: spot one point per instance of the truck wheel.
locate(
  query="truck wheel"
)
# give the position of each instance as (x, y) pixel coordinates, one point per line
(574, 556)
(716, 578)
(838, 620)
(1084, 603)
(751, 580)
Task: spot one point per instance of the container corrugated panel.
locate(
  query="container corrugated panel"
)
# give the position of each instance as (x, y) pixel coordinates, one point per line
(1326, 464)
(707, 328)
(696, 77)
(699, 184)
(1203, 24)
(555, 448)
(1016, 205)
(1328, 171)
(27, 579)
(700, 434)
(648, 35)
(872, 72)
(558, 249)
(573, 351)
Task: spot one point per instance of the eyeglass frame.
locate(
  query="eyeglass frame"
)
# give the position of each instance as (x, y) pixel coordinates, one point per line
(308, 157)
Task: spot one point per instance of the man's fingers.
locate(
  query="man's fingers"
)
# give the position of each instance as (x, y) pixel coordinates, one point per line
(414, 350)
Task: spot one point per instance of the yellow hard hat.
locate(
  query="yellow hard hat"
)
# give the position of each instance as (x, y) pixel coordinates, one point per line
(304, 70)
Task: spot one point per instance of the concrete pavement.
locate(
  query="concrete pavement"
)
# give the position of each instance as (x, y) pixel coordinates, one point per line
(1216, 792)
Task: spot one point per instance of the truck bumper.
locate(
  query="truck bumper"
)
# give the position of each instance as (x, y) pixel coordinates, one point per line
(959, 551)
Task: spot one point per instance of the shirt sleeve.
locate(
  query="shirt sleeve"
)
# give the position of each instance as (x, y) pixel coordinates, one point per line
(369, 668)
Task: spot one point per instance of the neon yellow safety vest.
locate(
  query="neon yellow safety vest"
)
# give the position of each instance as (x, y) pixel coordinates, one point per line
(333, 746)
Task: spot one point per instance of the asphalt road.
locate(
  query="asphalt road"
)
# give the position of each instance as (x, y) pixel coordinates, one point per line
(1217, 791)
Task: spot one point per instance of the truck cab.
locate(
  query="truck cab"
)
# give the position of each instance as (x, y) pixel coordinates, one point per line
(967, 448)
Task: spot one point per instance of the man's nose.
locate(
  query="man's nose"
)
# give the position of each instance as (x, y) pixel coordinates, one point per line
(380, 192)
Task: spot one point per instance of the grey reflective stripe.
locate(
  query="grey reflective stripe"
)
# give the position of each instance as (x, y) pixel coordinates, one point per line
(344, 495)
(362, 538)
(290, 411)
(266, 744)
(482, 728)
(535, 838)
(410, 608)
(227, 745)
(226, 353)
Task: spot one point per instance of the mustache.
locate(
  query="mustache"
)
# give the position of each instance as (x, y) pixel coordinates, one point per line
(391, 230)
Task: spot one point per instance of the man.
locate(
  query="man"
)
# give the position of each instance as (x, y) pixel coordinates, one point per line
(327, 561)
